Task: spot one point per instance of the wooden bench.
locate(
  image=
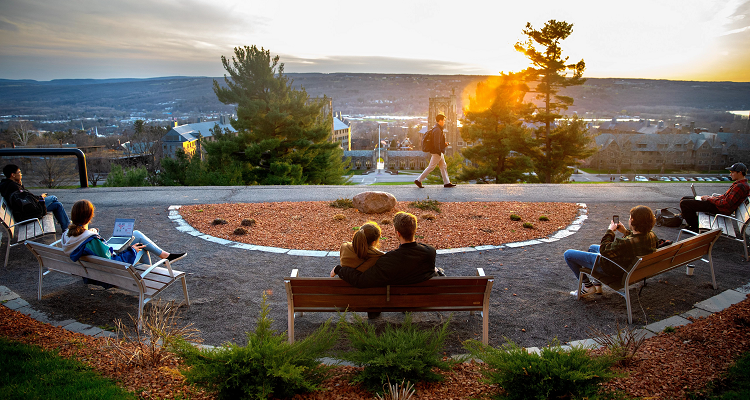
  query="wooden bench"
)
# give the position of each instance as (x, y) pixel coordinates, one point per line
(145, 279)
(662, 260)
(453, 293)
(732, 226)
(18, 232)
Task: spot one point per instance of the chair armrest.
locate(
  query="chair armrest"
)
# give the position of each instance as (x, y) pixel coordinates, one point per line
(726, 217)
(598, 261)
(159, 263)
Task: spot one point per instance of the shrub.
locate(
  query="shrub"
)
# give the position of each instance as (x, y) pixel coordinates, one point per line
(339, 217)
(219, 221)
(267, 365)
(401, 353)
(429, 217)
(544, 218)
(394, 391)
(147, 347)
(248, 222)
(342, 203)
(668, 329)
(514, 217)
(555, 373)
(528, 225)
(623, 345)
(426, 205)
(240, 231)
(118, 177)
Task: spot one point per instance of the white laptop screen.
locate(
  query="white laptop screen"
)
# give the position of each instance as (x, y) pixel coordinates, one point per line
(123, 227)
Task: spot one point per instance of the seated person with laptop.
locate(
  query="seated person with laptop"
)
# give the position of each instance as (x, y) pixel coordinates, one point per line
(725, 204)
(79, 240)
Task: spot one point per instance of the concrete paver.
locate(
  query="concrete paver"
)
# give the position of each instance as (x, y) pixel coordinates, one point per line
(673, 321)
(721, 301)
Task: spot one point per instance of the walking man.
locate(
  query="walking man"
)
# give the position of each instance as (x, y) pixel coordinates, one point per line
(437, 145)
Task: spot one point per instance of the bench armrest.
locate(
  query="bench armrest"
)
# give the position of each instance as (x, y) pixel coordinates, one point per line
(713, 221)
(598, 262)
(29, 220)
(686, 231)
(157, 264)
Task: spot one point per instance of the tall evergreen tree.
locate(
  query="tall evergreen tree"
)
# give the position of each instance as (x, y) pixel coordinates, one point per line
(282, 133)
(550, 148)
(494, 123)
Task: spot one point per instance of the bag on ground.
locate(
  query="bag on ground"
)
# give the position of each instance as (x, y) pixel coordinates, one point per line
(665, 217)
(26, 206)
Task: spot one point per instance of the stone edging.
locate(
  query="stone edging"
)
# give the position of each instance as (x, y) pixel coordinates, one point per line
(183, 226)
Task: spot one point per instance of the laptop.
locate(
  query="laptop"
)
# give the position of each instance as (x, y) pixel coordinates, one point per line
(695, 195)
(122, 235)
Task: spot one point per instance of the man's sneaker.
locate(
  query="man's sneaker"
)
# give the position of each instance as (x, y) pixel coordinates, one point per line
(418, 183)
(585, 290)
(449, 185)
(598, 287)
(440, 271)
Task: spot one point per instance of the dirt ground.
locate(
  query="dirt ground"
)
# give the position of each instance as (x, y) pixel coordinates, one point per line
(530, 303)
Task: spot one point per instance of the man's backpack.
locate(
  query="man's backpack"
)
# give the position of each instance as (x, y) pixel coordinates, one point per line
(428, 142)
(26, 206)
(665, 217)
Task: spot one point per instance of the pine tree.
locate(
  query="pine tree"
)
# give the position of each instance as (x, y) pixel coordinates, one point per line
(551, 150)
(494, 123)
(282, 133)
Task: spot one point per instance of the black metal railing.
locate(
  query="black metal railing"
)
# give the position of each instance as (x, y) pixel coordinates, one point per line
(82, 172)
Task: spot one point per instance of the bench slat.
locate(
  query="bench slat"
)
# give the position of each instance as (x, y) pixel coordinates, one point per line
(445, 281)
(401, 301)
(395, 290)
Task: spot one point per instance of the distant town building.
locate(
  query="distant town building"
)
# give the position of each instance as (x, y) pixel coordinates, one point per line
(341, 132)
(694, 151)
(185, 137)
(392, 159)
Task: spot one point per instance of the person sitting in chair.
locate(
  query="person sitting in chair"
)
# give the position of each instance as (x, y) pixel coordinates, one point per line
(637, 241)
(721, 204)
(12, 183)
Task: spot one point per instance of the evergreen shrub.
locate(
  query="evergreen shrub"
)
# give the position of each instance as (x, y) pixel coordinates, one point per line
(515, 217)
(554, 373)
(266, 366)
(400, 353)
(118, 177)
(426, 205)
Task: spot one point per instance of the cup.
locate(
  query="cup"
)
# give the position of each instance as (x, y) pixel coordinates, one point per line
(689, 270)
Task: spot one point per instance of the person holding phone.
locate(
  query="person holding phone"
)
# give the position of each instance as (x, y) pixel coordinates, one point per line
(637, 241)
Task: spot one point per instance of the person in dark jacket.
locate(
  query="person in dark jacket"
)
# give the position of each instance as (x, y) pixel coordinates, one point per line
(12, 183)
(410, 263)
(637, 241)
(436, 153)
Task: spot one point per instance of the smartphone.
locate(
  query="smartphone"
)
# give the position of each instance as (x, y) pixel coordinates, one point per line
(616, 219)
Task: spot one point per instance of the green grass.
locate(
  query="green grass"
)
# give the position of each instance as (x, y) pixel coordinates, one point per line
(733, 385)
(29, 372)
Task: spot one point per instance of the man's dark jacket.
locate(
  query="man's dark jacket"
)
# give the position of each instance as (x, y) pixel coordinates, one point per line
(8, 187)
(438, 140)
(411, 263)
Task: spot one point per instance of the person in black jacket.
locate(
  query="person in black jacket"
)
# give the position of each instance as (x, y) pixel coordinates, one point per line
(436, 153)
(410, 263)
(12, 183)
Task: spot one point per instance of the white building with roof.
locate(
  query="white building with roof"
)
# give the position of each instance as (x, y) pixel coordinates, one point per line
(186, 136)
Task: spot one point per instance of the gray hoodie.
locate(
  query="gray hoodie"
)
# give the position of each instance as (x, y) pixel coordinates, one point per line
(69, 244)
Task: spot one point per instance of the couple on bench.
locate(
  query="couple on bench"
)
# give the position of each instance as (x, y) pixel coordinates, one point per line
(363, 265)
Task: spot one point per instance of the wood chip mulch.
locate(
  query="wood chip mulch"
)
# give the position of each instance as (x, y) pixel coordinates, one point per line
(312, 225)
(670, 365)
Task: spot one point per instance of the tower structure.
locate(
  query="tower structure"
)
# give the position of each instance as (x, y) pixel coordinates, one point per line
(447, 105)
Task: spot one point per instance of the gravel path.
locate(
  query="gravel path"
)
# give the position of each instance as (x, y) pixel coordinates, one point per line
(530, 303)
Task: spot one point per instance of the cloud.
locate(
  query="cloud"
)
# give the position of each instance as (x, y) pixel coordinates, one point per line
(376, 64)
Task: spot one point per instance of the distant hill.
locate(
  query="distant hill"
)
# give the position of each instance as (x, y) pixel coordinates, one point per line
(367, 94)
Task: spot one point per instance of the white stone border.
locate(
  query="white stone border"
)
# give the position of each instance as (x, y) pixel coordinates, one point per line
(183, 226)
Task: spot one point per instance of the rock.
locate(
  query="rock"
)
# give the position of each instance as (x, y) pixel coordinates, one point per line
(374, 202)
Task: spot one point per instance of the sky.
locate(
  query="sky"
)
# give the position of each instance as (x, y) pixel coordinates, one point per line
(705, 40)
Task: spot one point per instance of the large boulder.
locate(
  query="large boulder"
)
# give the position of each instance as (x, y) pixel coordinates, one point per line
(374, 202)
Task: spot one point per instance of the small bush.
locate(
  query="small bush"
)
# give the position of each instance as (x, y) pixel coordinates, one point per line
(386, 221)
(621, 346)
(514, 217)
(394, 391)
(668, 329)
(426, 205)
(219, 221)
(248, 222)
(544, 218)
(401, 353)
(528, 225)
(429, 217)
(339, 217)
(240, 231)
(118, 177)
(555, 373)
(266, 366)
(342, 203)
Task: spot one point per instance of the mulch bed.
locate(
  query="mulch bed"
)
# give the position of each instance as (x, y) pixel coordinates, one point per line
(669, 365)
